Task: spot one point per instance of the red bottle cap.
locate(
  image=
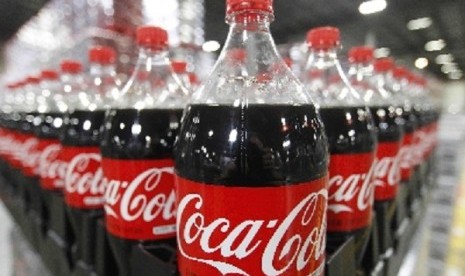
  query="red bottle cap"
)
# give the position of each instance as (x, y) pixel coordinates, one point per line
(152, 37)
(323, 38)
(102, 55)
(71, 66)
(400, 72)
(49, 75)
(32, 80)
(179, 67)
(361, 54)
(383, 65)
(233, 6)
(193, 78)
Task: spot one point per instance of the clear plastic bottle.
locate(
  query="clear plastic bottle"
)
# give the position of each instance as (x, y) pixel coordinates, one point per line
(383, 79)
(352, 141)
(400, 84)
(388, 121)
(57, 97)
(80, 139)
(137, 146)
(250, 157)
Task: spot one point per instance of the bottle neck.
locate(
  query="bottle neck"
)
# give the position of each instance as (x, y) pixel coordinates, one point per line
(322, 59)
(150, 58)
(361, 71)
(249, 39)
(334, 87)
(97, 69)
(71, 77)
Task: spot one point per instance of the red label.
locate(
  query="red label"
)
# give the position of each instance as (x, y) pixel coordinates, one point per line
(139, 198)
(84, 187)
(19, 139)
(28, 152)
(350, 192)
(406, 161)
(224, 230)
(7, 143)
(11, 145)
(387, 171)
(51, 168)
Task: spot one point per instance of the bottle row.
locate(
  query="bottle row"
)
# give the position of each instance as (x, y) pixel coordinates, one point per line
(253, 172)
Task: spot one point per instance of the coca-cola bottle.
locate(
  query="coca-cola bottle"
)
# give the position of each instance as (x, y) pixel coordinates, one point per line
(383, 79)
(136, 149)
(21, 123)
(352, 141)
(400, 85)
(80, 139)
(53, 102)
(388, 121)
(251, 162)
(31, 149)
(426, 111)
(423, 95)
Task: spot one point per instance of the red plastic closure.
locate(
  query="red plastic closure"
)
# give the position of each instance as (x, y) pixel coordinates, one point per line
(383, 64)
(152, 37)
(233, 6)
(102, 55)
(179, 67)
(49, 75)
(322, 38)
(71, 66)
(361, 54)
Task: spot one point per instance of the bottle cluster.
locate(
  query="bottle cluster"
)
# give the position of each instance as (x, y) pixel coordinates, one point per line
(257, 171)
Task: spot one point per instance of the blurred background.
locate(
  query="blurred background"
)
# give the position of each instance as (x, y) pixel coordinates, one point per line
(427, 36)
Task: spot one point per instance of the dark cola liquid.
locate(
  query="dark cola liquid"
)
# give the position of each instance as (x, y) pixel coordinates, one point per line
(350, 130)
(259, 145)
(410, 120)
(82, 129)
(48, 125)
(133, 135)
(389, 123)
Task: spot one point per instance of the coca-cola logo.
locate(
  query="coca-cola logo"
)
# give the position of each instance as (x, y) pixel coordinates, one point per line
(8, 143)
(83, 178)
(281, 249)
(50, 166)
(29, 153)
(387, 171)
(405, 157)
(343, 190)
(126, 201)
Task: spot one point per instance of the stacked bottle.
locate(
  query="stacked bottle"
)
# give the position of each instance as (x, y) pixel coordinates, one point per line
(80, 139)
(352, 142)
(137, 152)
(251, 162)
